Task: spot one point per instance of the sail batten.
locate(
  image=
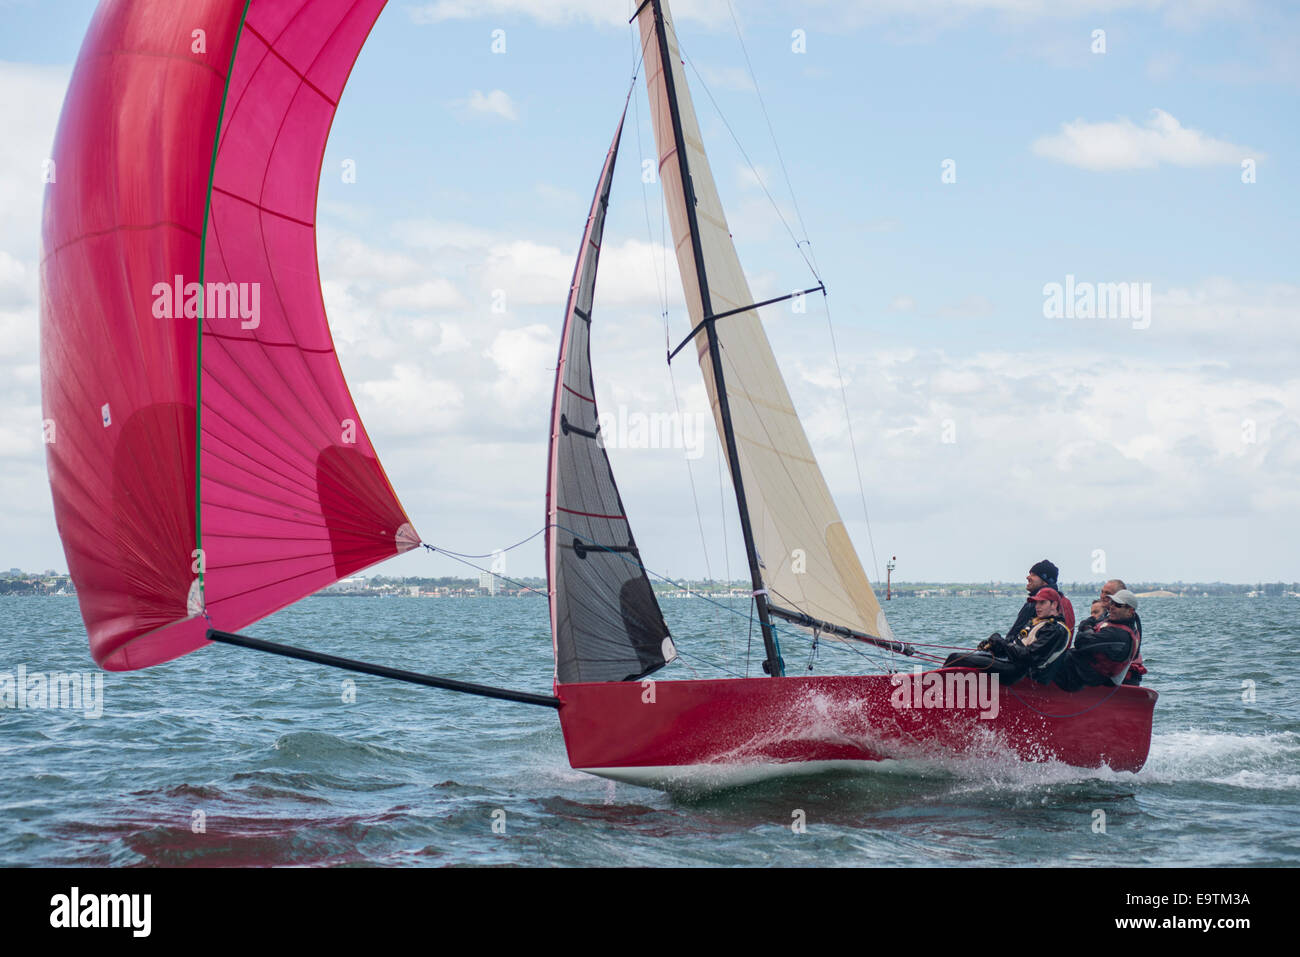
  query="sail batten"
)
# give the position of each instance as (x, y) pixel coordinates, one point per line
(808, 557)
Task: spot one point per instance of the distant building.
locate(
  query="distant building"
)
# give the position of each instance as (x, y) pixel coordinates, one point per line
(348, 586)
(487, 582)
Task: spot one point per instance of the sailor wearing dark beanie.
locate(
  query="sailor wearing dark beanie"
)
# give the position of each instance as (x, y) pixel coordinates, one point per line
(1042, 574)
(1046, 571)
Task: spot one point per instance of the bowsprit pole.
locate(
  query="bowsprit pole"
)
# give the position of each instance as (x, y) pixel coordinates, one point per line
(381, 671)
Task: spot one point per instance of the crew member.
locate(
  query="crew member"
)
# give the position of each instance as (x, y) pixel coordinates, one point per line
(1033, 650)
(1042, 575)
(1104, 653)
(1107, 591)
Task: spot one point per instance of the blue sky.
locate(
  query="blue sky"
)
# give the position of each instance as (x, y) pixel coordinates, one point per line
(989, 435)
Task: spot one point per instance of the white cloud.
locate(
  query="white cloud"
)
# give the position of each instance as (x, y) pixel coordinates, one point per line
(29, 111)
(526, 360)
(450, 339)
(442, 236)
(528, 271)
(17, 281)
(902, 304)
(430, 294)
(350, 258)
(409, 402)
(1123, 144)
(1246, 318)
(494, 103)
(1130, 439)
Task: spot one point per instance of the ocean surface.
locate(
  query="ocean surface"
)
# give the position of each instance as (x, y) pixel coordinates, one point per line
(230, 757)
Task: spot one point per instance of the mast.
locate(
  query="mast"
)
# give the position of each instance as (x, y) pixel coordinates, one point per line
(773, 664)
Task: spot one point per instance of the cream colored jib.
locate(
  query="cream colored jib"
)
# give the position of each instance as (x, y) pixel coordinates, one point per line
(809, 563)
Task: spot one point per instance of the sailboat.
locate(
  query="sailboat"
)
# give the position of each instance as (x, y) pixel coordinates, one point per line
(609, 633)
(209, 466)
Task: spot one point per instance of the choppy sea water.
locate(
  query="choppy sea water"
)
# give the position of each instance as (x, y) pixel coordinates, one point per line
(232, 757)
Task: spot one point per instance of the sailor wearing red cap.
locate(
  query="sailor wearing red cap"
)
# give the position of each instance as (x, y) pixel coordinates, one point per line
(1033, 650)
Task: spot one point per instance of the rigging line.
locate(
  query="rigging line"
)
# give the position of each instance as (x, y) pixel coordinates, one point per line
(749, 644)
(722, 512)
(712, 664)
(596, 546)
(508, 548)
(736, 377)
(661, 275)
(753, 169)
(752, 307)
(875, 563)
(776, 146)
(855, 649)
(690, 473)
(771, 131)
(886, 666)
(457, 558)
(661, 287)
(726, 556)
(853, 445)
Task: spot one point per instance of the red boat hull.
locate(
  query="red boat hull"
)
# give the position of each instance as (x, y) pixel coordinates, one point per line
(668, 733)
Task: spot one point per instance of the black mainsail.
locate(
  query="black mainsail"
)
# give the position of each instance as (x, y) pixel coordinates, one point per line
(606, 623)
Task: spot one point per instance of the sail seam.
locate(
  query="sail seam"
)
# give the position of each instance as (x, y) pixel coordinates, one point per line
(264, 209)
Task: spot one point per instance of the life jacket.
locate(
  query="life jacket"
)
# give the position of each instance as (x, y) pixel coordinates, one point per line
(1137, 668)
(1029, 635)
(1117, 671)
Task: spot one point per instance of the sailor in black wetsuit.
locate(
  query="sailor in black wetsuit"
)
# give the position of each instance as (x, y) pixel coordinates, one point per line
(1107, 593)
(1033, 650)
(1042, 575)
(1105, 652)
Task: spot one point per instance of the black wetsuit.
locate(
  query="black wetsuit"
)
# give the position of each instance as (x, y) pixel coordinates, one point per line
(1034, 650)
(1100, 650)
(1137, 669)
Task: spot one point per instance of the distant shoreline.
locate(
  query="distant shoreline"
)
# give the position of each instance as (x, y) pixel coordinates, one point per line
(380, 587)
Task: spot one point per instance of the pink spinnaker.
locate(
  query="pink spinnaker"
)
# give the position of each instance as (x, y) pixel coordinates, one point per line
(205, 471)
